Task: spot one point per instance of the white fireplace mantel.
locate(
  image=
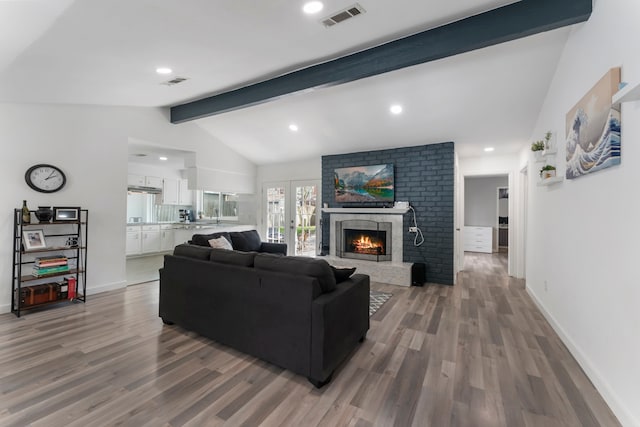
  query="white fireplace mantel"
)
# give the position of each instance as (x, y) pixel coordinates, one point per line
(390, 211)
(394, 272)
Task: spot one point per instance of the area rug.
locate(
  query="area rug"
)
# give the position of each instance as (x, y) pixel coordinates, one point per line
(376, 299)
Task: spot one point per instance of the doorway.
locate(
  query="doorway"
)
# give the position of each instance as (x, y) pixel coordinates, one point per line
(486, 218)
(291, 216)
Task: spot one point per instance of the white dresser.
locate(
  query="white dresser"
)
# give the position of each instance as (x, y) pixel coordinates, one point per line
(478, 239)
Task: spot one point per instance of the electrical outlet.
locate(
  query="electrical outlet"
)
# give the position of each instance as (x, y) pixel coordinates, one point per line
(545, 286)
(413, 229)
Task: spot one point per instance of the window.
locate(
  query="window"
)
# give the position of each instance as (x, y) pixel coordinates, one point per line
(217, 205)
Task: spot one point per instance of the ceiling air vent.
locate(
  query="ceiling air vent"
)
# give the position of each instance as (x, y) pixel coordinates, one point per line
(343, 15)
(175, 81)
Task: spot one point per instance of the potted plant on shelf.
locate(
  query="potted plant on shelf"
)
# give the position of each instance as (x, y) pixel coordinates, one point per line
(547, 140)
(537, 148)
(547, 171)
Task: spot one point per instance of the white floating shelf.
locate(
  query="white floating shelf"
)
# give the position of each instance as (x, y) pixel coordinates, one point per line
(549, 181)
(391, 211)
(626, 94)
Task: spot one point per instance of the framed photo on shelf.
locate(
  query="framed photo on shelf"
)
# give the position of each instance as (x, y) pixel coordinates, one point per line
(66, 213)
(33, 239)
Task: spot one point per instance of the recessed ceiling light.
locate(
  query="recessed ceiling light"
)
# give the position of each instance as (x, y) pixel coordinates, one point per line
(293, 127)
(312, 7)
(489, 149)
(396, 109)
(163, 158)
(163, 70)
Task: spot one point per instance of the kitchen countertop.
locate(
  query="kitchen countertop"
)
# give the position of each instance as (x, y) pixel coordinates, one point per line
(190, 226)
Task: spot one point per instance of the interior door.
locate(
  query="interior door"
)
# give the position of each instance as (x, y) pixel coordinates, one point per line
(458, 220)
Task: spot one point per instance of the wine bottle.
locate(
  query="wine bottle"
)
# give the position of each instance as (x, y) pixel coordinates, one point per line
(26, 215)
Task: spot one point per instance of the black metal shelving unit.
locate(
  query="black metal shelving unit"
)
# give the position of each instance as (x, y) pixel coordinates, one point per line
(58, 233)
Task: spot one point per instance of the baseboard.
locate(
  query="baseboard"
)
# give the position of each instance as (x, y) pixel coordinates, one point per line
(92, 290)
(5, 308)
(625, 416)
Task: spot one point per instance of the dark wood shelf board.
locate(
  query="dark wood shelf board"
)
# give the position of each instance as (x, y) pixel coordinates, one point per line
(31, 278)
(53, 248)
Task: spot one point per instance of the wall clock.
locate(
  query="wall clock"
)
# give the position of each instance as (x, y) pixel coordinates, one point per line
(45, 178)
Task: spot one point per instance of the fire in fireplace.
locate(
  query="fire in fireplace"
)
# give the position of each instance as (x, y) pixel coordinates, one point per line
(365, 242)
(363, 239)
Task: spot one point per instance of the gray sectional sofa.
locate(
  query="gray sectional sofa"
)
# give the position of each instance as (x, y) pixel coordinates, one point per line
(289, 311)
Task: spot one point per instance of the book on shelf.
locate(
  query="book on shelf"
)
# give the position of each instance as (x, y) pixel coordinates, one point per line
(51, 260)
(38, 272)
(51, 263)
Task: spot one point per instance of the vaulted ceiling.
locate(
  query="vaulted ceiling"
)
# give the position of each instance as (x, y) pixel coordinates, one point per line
(106, 53)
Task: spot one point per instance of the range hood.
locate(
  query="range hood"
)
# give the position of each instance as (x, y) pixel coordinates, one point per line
(144, 190)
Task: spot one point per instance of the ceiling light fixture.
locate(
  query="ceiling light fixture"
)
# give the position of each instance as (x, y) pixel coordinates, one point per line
(164, 70)
(312, 7)
(489, 149)
(396, 109)
(293, 127)
(163, 158)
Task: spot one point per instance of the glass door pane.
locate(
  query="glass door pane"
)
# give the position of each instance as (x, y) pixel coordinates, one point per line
(275, 209)
(305, 219)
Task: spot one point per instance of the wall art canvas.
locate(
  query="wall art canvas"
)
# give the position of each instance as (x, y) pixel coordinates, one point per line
(593, 129)
(364, 184)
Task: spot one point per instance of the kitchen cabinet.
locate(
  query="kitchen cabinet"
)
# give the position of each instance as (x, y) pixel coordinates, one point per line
(134, 240)
(184, 194)
(170, 189)
(144, 181)
(150, 238)
(135, 180)
(167, 237)
(478, 239)
(153, 182)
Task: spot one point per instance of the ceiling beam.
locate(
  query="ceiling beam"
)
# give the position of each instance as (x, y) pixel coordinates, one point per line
(517, 20)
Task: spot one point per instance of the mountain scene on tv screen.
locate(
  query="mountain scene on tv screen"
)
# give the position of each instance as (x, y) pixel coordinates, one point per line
(364, 184)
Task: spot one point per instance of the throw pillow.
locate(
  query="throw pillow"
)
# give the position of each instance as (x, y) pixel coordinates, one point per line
(203, 239)
(342, 274)
(246, 241)
(220, 243)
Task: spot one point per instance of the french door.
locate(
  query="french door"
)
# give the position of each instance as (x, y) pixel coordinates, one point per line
(291, 215)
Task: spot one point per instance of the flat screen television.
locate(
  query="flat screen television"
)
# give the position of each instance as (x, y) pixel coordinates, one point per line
(364, 184)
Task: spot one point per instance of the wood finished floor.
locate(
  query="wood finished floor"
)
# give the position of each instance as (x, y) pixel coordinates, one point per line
(476, 354)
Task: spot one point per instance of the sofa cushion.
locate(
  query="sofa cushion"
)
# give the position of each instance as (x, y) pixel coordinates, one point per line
(220, 243)
(342, 274)
(193, 251)
(203, 239)
(225, 256)
(317, 268)
(246, 241)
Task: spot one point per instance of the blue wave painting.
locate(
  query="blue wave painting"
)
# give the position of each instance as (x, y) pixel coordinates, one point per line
(593, 129)
(603, 154)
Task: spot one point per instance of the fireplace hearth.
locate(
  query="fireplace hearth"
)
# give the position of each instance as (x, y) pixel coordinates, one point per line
(361, 239)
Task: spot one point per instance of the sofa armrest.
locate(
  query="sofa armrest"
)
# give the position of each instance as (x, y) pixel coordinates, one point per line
(340, 319)
(274, 248)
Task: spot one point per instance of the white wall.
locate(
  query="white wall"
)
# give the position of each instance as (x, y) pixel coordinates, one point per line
(152, 170)
(90, 145)
(583, 233)
(481, 200)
